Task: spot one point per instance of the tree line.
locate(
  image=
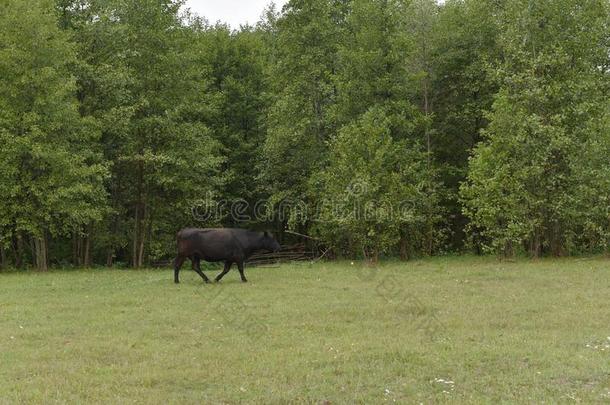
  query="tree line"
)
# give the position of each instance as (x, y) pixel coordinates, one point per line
(407, 127)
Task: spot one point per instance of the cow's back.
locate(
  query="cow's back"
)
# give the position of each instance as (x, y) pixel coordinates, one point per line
(211, 244)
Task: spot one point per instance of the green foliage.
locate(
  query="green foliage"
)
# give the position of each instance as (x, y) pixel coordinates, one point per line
(140, 75)
(463, 87)
(299, 121)
(372, 61)
(526, 180)
(444, 123)
(590, 167)
(373, 189)
(379, 144)
(51, 167)
(236, 63)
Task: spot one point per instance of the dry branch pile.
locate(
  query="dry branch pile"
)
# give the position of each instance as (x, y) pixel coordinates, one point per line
(297, 252)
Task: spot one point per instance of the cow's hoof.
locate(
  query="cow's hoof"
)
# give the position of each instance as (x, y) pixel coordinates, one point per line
(176, 282)
(244, 281)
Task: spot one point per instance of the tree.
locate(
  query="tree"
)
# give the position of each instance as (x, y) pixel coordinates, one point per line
(239, 89)
(462, 45)
(524, 180)
(374, 87)
(51, 170)
(141, 75)
(301, 69)
(374, 188)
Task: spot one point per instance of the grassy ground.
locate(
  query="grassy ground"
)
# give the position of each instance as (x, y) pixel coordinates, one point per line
(462, 330)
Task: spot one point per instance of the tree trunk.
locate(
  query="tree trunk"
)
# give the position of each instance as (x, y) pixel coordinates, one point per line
(373, 256)
(87, 247)
(74, 249)
(142, 236)
(17, 248)
(404, 248)
(40, 247)
(136, 232)
(139, 215)
(77, 244)
(430, 238)
(111, 250)
(556, 242)
(147, 237)
(141, 252)
(33, 251)
(46, 250)
(110, 258)
(607, 248)
(365, 254)
(2, 257)
(508, 250)
(535, 245)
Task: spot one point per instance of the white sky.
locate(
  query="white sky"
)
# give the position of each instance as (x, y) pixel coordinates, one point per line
(233, 12)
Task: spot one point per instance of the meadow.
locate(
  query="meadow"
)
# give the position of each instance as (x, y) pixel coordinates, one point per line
(440, 330)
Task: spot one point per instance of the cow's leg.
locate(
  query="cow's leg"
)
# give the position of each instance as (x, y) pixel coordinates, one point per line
(240, 266)
(177, 264)
(224, 271)
(196, 266)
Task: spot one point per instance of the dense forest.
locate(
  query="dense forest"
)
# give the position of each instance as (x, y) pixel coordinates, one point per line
(379, 127)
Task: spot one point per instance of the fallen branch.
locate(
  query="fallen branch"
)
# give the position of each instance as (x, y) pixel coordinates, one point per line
(303, 235)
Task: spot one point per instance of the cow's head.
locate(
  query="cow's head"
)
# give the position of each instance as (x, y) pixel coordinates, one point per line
(269, 242)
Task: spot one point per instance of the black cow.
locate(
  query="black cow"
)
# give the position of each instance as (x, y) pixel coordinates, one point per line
(230, 245)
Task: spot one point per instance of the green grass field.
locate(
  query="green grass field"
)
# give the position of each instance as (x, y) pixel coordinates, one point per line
(462, 330)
